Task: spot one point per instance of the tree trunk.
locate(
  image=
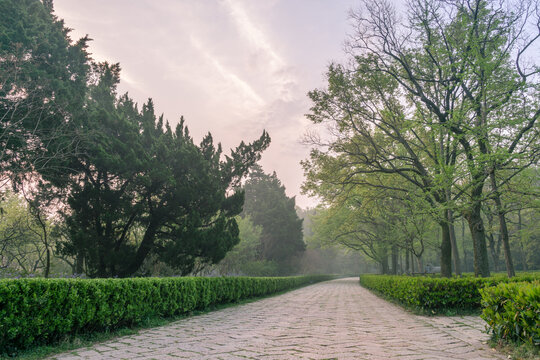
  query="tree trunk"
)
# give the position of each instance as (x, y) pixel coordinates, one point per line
(465, 262)
(503, 227)
(47, 264)
(446, 250)
(494, 248)
(523, 260)
(144, 249)
(407, 254)
(420, 264)
(478, 234)
(79, 264)
(47, 249)
(394, 260)
(453, 242)
(493, 251)
(384, 264)
(102, 255)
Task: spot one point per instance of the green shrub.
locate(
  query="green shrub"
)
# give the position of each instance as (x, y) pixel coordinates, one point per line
(42, 311)
(436, 294)
(512, 311)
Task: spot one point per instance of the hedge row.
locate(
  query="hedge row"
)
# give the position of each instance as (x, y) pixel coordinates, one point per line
(41, 311)
(512, 311)
(435, 294)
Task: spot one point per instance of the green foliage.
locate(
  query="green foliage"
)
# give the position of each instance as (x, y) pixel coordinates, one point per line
(436, 97)
(42, 311)
(512, 311)
(245, 257)
(436, 294)
(114, 171)
(373, 223)
(42, 84)
(323, 256)
(262, 268)
(140, 188)
(22, 249)
(269, 207)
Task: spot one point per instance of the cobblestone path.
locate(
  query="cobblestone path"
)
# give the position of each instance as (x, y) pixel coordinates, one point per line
(332, 320)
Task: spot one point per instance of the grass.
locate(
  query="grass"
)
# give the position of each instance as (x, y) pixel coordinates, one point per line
(517, 351)
(84, 340)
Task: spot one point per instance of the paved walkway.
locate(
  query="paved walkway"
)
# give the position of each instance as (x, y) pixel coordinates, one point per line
(331, 320)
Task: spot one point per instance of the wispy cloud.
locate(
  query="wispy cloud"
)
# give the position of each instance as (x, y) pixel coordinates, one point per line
(252, 32)
(125, 76)
(279, 75)
(226, 73)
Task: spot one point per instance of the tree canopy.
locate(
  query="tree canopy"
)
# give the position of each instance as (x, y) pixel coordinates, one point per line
(126, 184)
(43, 76)
(440, 99)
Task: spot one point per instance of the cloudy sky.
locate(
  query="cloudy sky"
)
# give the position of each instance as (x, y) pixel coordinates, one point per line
(231, 67)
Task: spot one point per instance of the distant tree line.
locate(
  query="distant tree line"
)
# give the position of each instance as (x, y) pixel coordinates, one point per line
(108, 185)
(433, 120)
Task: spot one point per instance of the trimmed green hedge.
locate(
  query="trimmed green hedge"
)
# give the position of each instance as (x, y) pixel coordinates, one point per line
(42, 311)
(512, 311)
(435, 294)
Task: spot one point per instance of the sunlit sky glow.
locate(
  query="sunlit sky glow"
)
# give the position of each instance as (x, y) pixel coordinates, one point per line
(231, 67)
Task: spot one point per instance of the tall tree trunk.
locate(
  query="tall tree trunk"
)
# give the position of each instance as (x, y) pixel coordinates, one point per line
(523, 260)
(47, 247)
(407, 254)
(102, 255)
(47, 263)
(453, 242)
(465, 262)
(394, 260)
(446, 250)
(494, 247)
(493, 251)
(478, 234)
(79, 264)
(503, 227)
(384, 264)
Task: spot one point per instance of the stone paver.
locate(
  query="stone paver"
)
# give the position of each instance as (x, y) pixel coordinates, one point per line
(332, 320)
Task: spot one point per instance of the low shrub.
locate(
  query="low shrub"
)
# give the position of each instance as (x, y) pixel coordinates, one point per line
(436, 294)
(512, 311)
(42, 311)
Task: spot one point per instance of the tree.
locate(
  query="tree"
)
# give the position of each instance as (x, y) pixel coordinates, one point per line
(520, 197)
(377, 223)
(480, 56)
(362, 232)
(140, 188)
(444, 76)
(24, 244)
(42, 86)
(269, 207)
(377, 141)
(323, 257)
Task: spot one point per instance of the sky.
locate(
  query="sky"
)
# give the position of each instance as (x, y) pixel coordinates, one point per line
(230, 67)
